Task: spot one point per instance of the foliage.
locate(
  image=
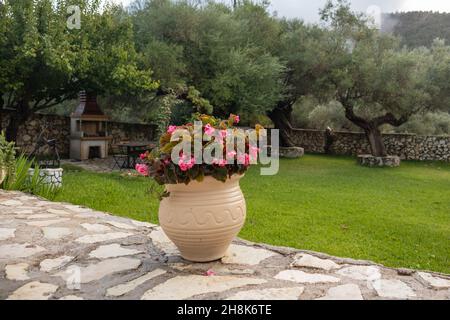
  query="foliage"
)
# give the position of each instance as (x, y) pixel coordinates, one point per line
(7, 157)
(377, 82)
(164, 113)
(161, 166)
(407, 229)
(429, 123)
(328, 115)
(43, 63)
(418, 28)
(22, 180)
(210, 55)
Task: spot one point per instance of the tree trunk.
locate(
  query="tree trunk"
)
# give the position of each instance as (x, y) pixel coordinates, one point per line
(371, 128)
(16, 119)
(375, 138)
(281, 118)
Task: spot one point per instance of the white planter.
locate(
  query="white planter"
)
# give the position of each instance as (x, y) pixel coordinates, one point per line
(51, 176)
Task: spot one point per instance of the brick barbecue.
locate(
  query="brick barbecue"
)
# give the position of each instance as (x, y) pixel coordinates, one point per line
(89, 137)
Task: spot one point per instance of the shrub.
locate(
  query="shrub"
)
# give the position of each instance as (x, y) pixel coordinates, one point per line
(7, 157)
(328, 115)
(430, 123)
(17, 172)
(23, 181)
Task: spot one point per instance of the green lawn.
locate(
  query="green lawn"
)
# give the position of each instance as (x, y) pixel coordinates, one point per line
(398, 217)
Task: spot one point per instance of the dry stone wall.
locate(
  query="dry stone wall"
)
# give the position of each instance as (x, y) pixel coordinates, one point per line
(58, 127)
(406, 146)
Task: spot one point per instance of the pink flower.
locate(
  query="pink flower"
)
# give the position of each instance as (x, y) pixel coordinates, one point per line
(253, 152)
(171, 129)
(231, 154)
(209, 130)
(220, 163)
(142, 169)
(244, 159)
(210, 273)
(143, 156)
(237, 119)
(186, 165)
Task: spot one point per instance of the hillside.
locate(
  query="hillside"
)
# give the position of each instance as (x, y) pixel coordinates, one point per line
(418, 28)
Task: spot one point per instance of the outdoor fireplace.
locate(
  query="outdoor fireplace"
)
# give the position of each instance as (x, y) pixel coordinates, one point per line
(88, 129)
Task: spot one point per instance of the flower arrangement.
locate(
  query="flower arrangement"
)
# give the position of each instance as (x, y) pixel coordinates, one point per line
(168, 164)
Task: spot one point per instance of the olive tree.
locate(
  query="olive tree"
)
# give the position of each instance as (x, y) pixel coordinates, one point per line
(376, 81)
(219, 53)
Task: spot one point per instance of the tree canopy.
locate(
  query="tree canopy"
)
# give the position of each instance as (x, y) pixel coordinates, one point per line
(215, 58)
(221, 53)
(44, 63)
(418, 28)
(376, 80)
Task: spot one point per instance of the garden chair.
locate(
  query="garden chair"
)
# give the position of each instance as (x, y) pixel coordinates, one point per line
(119, 157)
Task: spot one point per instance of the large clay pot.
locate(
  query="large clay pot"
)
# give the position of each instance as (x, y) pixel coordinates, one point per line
(202, 218)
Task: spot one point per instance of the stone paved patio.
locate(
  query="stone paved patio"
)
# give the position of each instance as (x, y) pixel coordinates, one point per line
(62, 251)
(106, 165)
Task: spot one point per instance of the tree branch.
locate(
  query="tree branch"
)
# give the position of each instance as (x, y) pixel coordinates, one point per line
(389, 118)
(48, 104)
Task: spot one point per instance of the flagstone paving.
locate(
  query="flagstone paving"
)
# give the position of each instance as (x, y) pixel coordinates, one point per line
(65, 252)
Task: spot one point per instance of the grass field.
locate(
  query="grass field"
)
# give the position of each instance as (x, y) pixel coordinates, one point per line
(398, 217)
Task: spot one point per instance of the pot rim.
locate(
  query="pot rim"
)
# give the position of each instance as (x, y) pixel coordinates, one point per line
(234, 177)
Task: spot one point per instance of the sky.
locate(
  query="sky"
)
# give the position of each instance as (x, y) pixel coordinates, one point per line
(308, 9)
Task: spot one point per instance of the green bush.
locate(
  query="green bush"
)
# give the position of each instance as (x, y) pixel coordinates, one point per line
(17, 172)
(7, 157)
(21, 180)
(430, 123)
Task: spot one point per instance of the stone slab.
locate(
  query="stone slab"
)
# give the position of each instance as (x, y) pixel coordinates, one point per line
(129, 286)
(6, 233)
(34, 291)
(194, 285)
(112, 251)
(121, 225)
(304, 277)
(19, 250)
(95, 238)
(97, 271)
(366, 273)
(309, 261)
(55, 233)
(162, 242)
(17, 272)
(344, 292)
(244, 255)
(393, 289)
(434, 281)
(290, 293)
(49, 265)
(46, 223)
(95, 227)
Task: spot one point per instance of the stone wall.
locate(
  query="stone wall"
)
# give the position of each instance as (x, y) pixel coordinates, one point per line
(406, 146)
(58, 127)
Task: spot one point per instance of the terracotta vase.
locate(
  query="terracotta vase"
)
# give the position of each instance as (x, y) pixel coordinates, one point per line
(202, 218)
